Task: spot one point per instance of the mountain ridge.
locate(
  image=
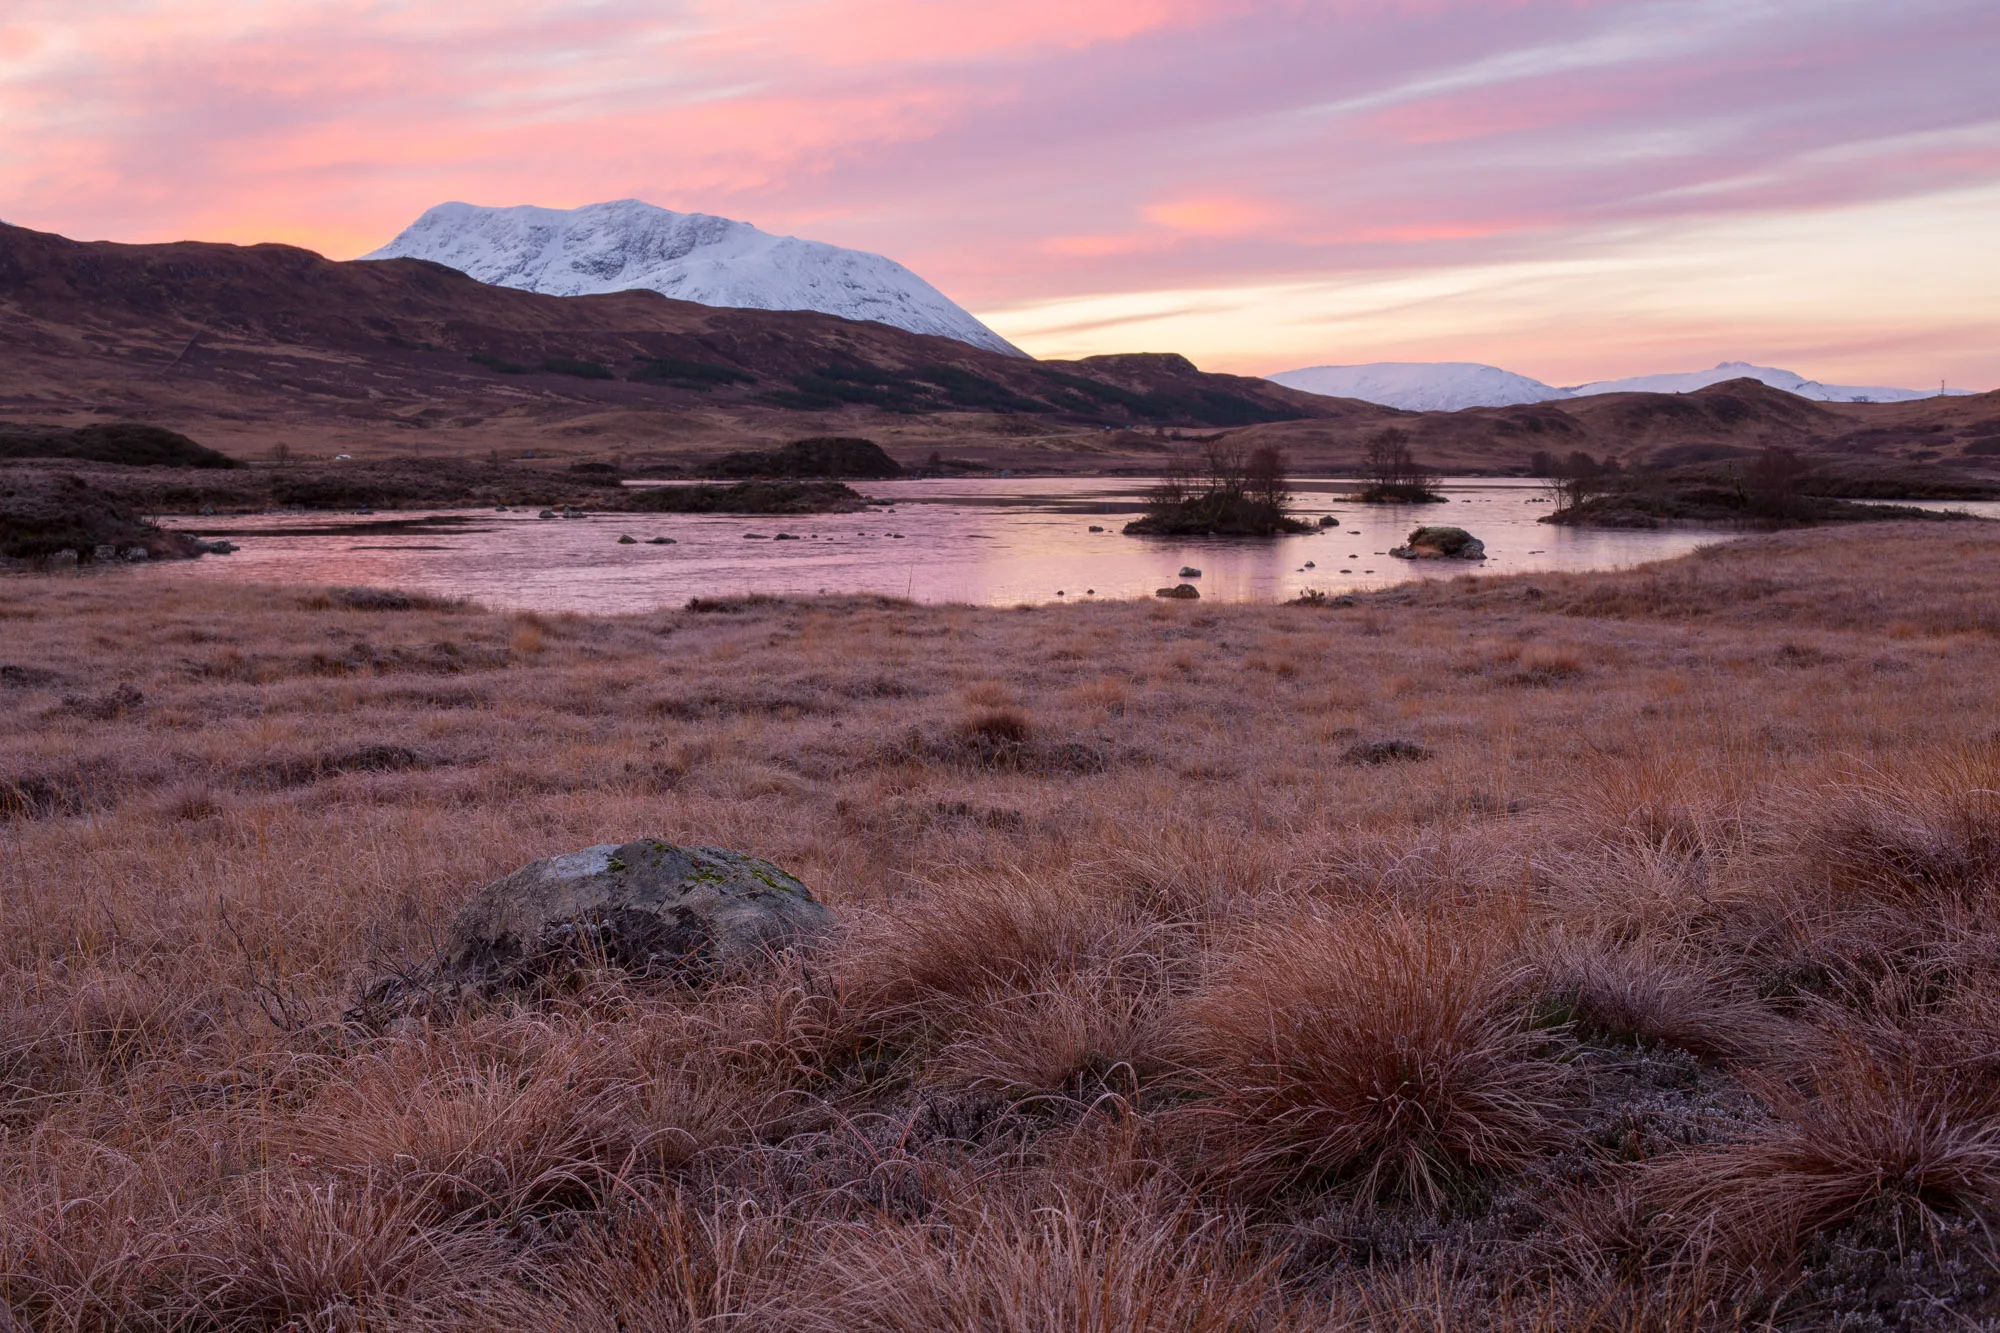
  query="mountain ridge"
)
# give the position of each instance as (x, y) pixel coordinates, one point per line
(1451, 386)
(270, 342)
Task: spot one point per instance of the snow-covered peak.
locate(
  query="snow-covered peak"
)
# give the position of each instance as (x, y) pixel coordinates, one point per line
(1447, 386)
(1421, 386)
(1689, 381)
(628, 244)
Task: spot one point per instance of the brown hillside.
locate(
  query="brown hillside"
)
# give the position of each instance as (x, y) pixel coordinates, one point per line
(1733, 419)
(247, 346)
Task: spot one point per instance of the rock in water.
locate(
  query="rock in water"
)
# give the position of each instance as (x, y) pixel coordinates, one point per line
(1182, 591)
(1440, 543)
(647, 906)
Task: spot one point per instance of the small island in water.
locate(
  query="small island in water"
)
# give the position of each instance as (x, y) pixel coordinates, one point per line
(1230, 492)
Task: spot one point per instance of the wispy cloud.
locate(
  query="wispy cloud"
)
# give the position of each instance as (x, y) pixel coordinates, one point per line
(1050, 154)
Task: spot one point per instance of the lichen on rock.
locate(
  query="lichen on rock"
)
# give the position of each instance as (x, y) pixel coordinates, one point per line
(648, 907)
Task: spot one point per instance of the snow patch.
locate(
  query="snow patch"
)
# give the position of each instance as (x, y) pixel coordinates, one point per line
(1421, 386)
(1689, 381)
(1448, 386)
(629, 245)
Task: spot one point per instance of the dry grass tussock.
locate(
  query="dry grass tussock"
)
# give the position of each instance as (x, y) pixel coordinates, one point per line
(1652, 981)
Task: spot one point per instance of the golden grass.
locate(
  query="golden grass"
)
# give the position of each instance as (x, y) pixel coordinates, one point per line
(1659, 988)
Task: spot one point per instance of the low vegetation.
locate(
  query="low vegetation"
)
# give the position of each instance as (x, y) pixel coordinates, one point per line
(554, 365)
(129, 444)
(45, 516)
(820, 456)
(1609, 951)
(1770, 488)
(679, 373)
(949, 388)
(379, 483)
(746, 497)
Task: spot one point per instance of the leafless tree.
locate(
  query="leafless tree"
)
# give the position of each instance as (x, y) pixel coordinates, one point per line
(1772, 481)
(1266, 482)
(1573, 480)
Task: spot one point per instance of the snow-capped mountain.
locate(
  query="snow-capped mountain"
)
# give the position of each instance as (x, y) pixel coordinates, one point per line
(1420, 386)
(1447, 386)
(1689, 381)
(628, 244)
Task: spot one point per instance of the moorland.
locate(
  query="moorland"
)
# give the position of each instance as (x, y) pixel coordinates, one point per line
(1598, 951)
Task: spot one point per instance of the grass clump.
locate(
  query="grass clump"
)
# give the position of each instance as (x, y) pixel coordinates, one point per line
(1383, 1054)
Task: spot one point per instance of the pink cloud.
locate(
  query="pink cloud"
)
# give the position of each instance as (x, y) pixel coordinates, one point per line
(1009, 152)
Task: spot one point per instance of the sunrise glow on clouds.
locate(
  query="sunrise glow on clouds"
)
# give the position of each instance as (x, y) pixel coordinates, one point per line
(1573, 189)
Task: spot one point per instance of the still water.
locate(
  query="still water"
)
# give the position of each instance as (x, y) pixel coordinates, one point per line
(992, 541)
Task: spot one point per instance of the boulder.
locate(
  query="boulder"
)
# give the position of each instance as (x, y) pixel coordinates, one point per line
(1440, 543)
(1190, 572)
(1184, 591)
(649, 907)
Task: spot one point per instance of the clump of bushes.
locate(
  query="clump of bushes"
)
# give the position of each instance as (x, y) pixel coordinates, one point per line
(1394, 474)
(1231, 493)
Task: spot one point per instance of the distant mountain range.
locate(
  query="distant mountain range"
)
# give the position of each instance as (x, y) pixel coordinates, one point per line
(628, 245)
(1451, 386)
(244, 348)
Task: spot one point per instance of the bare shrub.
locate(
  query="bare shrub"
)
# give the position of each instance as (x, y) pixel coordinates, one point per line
(1389, 1053)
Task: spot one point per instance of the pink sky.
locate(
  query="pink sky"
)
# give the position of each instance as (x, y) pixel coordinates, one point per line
(1569, 188)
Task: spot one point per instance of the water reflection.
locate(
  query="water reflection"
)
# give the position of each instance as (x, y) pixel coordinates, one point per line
(980, 541)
